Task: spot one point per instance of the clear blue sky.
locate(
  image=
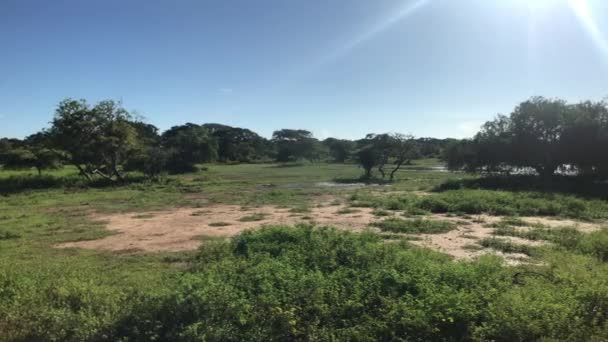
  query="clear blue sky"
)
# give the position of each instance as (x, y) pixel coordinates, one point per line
(339, 68)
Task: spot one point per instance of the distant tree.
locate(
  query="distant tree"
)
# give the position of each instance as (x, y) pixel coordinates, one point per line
(293, 144)
(386, 151)
(238, 144)
(151, 160)
(6, 146)
(540, 134)
(32, 152)
(584, 138)
(339, 149)
(97, 140)
(536, 126)
(368, 157)
(188, 145)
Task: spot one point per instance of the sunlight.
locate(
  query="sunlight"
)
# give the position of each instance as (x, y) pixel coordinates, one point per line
(583, 12)
(409, 8)
(540, 4)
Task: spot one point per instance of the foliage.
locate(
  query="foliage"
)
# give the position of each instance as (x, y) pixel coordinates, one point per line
(415, 226)
(382, 150)
(490, 202)
(286, 283)
(97, 140)
(188, 145)
(294, 144)
(340, 150)
(544, 135)
(238, 144)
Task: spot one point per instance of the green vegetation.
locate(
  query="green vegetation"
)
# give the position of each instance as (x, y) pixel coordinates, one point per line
(415, 226)
(282, 283)
(594, 244)
(219, 224)
(345, 211)
(507, 246)
(253, 217)
(543, 135)
(288, 283)
(489, 202)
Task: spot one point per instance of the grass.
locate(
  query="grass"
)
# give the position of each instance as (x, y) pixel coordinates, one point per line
(507, 246)
(381, 212)
(594, 244)
(475, 202)
(253, 217)
(286, 283)
(345, 211)
(219, 224)
(415, 226)
(300, 210)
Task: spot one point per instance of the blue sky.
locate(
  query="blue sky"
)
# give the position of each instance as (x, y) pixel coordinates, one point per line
(339, 68)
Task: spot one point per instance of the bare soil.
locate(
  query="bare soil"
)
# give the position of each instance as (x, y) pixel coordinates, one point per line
(183, 229)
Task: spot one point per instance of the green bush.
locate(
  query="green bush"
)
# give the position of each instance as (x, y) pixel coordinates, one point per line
(504, 203)
(415, 226)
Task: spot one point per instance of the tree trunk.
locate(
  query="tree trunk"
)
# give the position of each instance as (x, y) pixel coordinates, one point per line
(115, 171)
(368, 172)
(381, 169)
(83, 172)
(546, 171)
(399, 163)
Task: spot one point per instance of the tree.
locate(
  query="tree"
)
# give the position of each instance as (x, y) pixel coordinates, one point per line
(367, 157)
(97, 140)
(188, 145)
(540, 134)
(339, 149)
(386, 150)
(29, 153)
(293, 144)
(536, 126)
(237, 144)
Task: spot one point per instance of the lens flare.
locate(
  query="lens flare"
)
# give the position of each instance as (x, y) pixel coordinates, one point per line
(408, 9)
(583, 12)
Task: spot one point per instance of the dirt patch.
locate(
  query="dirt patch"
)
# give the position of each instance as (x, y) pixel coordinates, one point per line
(180, 229)
(552, 222)
(184, 228)
(457, 243)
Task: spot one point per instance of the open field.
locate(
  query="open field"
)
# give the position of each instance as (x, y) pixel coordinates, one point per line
(185, 259)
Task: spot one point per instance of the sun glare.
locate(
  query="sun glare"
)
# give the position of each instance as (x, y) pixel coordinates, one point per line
(583, 11)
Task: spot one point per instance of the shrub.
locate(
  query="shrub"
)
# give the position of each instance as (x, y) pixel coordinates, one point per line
(415, 226)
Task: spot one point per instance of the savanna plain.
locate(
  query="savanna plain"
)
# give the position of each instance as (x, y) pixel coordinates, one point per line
(302, 251)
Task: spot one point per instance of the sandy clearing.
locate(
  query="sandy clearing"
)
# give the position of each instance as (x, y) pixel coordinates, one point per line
(181, 229)
(178, 229)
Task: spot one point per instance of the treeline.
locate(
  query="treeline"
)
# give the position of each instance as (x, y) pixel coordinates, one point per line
(105, 140)
(542, 136)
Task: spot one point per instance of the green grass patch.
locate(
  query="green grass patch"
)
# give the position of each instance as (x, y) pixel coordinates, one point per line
(475, 202)
(253, 217)
(507, 246)
(219, 224)
(300, 210)
(345, 211)
(415, 226)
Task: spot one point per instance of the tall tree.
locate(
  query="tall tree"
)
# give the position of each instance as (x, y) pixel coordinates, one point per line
(187, 146)
(97, 140)
(237, 144)
(293, 144)
(339, 149)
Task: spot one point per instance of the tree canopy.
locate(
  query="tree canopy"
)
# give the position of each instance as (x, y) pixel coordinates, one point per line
(543, 135)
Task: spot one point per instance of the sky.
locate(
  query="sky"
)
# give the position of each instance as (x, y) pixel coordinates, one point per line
(340, 68)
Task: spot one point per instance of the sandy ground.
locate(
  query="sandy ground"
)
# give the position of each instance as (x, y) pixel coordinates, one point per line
(182, 229)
